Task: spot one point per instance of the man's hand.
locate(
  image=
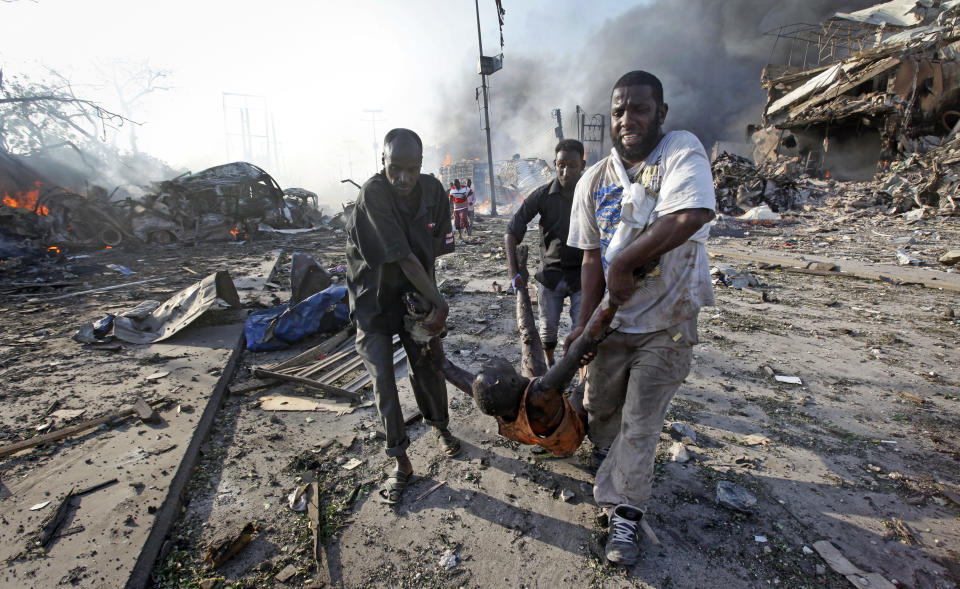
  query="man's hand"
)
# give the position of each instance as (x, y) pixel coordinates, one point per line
(436, 321)
(620, 283)
(572, 337)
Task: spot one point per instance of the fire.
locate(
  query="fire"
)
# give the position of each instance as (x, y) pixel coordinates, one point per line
(109, 247)
(446, 161)
(53, 249)
(235, 232)
(26, 200)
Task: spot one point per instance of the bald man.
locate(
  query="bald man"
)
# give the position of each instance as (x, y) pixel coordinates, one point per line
(400, 225)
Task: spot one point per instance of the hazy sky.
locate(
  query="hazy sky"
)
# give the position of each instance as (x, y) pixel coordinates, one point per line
(318, 64)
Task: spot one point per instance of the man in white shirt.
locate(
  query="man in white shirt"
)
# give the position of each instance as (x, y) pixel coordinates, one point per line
(471, 200)
(641, 216)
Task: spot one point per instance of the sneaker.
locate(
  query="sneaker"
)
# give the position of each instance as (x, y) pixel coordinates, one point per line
(623, 547)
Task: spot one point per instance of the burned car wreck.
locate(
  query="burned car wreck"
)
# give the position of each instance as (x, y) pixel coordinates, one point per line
(226, 202)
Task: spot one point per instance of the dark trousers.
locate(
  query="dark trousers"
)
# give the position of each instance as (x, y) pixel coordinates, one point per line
(429, 387)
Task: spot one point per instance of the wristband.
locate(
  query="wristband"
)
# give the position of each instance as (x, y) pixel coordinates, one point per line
(513, 281)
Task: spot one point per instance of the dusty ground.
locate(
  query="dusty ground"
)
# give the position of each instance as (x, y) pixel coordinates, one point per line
(851, 459)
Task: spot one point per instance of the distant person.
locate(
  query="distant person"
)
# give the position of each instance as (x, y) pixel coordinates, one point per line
(458, 198)
(558, 277)
(471, 201)
(400, 225)
(640, 215)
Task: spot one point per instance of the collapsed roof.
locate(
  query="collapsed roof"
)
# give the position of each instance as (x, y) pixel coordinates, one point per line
(866, 86)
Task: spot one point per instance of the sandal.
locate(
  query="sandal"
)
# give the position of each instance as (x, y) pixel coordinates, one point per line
(394, 486)
(448, 442)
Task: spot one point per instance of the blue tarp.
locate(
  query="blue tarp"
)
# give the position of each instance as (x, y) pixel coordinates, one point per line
(278, 327)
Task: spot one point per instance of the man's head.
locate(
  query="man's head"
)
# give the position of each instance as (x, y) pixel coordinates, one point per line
(569, 162)
(402, 159)
(498, 388)
(637, 112)
(456, 184)
(469, 182)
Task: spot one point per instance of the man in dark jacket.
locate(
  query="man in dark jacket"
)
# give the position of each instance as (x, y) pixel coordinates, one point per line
(400, 225)
(559, 272)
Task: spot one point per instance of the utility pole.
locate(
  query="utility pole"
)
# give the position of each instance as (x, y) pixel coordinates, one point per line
(373, 119)
(486, 118)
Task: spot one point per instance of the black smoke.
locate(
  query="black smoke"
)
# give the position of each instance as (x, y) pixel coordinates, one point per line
(708, 54)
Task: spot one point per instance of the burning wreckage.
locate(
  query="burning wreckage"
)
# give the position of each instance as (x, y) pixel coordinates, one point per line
(224, 202)
(871, 97)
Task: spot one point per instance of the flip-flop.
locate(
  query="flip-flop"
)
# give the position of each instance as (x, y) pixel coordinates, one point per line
(448, 442)
(394, 486)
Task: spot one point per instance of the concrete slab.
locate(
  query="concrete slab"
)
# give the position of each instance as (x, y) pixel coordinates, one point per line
(112, 537)
(123, 524)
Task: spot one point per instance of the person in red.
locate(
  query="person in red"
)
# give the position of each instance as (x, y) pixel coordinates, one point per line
(460, 201)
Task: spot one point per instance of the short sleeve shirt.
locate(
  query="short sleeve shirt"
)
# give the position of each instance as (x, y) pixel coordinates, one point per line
(677, 173)
(384, 229)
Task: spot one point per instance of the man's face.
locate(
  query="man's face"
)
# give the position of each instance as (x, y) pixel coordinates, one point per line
(569, 167)
(635, 121)
(401, 163)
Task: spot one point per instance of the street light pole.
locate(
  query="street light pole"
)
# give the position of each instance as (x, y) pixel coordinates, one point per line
(486, 120)
(373, 119)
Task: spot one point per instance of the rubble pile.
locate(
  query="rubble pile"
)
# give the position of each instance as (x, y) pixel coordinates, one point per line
(741, 185)
(925, 180)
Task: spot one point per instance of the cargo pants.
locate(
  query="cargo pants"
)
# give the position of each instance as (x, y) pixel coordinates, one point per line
(629, 386)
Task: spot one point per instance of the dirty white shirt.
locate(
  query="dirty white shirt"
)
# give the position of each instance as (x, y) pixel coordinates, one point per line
(676, 173)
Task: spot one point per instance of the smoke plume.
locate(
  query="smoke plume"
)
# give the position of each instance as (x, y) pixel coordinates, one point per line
(709, 56)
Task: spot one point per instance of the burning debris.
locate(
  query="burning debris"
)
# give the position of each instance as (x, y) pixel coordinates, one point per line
(742, 185)
(225, 202)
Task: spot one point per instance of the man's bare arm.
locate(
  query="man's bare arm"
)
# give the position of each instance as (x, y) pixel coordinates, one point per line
(666, 233)
(591, 291)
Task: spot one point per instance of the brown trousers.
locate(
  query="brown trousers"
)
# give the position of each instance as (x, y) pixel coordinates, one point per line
(628, 389)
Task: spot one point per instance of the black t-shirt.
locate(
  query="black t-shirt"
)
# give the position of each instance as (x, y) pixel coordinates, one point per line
(383, 229)
(557, 259)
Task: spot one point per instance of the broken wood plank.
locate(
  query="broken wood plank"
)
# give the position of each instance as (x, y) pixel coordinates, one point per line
(53, 524)
(222, 551)
(430, 490)
(326, 388)
(839, 563)
(315, 516)
(145, 412)
(69, 431)
(63, 433)
(322, 349)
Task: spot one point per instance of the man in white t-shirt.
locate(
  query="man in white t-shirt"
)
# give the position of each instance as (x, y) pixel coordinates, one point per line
(641, 216)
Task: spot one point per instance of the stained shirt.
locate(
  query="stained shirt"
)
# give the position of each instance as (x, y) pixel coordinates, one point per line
(383, 229)
(557, 259)
(676, 173)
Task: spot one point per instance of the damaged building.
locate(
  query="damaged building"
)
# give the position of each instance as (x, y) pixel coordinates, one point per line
(515, 178)
(863, 88)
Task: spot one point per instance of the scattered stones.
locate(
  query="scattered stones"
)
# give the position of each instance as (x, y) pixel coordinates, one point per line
(679, 453)
(905, 259)
(735, 497)
(449, 560)
(567, 495)
(683, 430)
(950, 258)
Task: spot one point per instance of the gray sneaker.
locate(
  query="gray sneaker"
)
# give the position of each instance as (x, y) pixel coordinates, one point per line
(622, 544)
